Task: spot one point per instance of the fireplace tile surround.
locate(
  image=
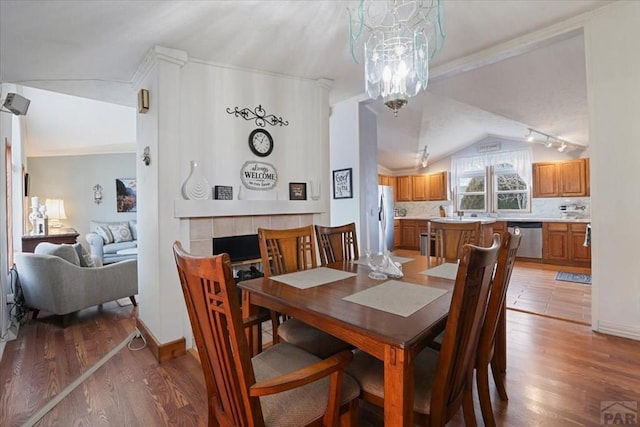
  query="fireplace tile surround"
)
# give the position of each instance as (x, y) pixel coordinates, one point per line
(202, 230)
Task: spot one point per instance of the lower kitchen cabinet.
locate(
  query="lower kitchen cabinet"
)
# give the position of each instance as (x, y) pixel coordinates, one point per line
(410, 230)
(563, 243)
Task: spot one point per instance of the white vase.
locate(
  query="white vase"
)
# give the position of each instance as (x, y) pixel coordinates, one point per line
(196, 187)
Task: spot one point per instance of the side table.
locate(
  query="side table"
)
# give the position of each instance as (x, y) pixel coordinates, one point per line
(55, 235)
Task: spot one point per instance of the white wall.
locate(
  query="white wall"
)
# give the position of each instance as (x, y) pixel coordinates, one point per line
(71, 178)
(613, 82)
(188, 120)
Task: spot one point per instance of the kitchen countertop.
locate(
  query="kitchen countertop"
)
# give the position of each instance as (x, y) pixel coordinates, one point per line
(487, 220)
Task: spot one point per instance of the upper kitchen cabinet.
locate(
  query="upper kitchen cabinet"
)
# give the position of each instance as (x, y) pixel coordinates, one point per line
(404, 188)
(561, 179)
(387, 180)
(420, 184)
(437, 186)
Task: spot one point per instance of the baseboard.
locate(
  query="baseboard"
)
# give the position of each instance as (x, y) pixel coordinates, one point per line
(624, 331)
(162, 351)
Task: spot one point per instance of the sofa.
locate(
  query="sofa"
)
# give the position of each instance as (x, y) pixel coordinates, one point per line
(53, 279)
(113, 241)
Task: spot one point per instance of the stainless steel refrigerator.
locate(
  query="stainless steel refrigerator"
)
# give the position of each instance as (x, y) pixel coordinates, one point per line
(385, 217)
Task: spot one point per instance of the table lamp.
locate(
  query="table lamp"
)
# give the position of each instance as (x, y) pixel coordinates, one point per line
(55, 212)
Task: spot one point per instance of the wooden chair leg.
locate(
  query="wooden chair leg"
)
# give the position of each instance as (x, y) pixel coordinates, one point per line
(499, 380)
(351, 417)
(482, 379)
(133, 300)
(467, 405)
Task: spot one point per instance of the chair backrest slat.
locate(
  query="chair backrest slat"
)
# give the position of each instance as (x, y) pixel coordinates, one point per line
(214, 312)
(466, 315)
(287, 250)
(338, 243)
(496, 305)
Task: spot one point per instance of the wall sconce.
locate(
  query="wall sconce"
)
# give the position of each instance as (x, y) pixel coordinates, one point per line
(97, 194)
(146, 156)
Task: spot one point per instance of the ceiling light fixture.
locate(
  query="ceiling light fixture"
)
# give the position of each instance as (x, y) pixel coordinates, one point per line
(563, 146)
(396, 38)
(425, 158)
(529, 136)
(550, 140)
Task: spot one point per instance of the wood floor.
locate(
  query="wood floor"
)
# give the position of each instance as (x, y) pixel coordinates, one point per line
(560, 373)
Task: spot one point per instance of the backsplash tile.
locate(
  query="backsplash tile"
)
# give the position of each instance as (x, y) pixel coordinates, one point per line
(541, 207)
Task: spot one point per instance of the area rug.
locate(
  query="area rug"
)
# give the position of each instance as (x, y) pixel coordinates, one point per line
(585, 279)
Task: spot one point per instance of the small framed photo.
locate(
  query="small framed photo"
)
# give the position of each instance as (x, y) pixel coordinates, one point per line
(342, 184)
(223, 192)
(297, 191)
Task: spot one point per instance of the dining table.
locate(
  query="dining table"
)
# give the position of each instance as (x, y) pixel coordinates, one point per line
(392, 320)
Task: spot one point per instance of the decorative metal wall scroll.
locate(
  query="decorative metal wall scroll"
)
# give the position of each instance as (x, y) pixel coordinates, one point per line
(259, 115)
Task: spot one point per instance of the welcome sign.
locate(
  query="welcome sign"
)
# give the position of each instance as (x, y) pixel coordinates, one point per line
(258, 175)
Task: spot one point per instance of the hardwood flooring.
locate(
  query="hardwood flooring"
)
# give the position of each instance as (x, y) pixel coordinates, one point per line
(559, 373)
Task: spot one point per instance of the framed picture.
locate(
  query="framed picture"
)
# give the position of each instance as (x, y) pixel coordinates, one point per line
(126, 194)
(342, 184)
(297, 191)
(223, 192)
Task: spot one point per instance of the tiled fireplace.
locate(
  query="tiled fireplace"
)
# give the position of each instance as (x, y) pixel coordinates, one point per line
(202, 230)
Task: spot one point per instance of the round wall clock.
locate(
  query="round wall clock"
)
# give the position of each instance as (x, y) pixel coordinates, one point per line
(260, 142)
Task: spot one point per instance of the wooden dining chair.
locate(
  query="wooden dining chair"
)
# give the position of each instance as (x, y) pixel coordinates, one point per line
(492, 344)
(286, 251)
(443, 380)
(283, 385)
(449, 238)
(338, 243)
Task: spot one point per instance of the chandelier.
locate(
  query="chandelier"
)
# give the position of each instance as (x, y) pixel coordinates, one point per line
(396, 39)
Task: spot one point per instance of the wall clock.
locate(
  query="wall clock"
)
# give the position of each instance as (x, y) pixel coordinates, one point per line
(260, 142)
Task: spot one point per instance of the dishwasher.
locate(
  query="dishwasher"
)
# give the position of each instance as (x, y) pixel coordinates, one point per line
(531, 243)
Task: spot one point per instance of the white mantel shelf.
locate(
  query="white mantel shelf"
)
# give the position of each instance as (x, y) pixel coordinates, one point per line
(220, 208)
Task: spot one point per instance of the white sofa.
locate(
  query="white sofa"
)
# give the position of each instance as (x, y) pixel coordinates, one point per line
(113, 241)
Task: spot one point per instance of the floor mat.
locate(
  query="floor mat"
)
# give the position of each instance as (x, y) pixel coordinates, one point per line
(585, 279)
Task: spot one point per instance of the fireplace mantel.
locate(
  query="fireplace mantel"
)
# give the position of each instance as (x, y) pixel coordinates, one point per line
(225, 208)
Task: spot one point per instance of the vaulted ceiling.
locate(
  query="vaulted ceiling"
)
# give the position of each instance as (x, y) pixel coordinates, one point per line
(505, 66)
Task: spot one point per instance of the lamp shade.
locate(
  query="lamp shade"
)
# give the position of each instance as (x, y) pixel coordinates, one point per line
(55, 209)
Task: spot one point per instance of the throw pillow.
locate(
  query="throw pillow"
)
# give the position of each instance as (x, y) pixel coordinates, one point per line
(133, 224)
(103, 231)
(64, 251)
(121, 232)
(83, 255)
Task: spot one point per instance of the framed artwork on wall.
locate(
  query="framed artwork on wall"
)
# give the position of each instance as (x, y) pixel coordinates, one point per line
(342, 184)
(297, 191)
(126, 194)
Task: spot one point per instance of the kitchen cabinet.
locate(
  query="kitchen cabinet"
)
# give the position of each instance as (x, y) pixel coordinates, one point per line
(561, 179)
(437, 184)
(404, 192)
(562, 243)
(420, 188)
(410, 230)
(387, 180)
(396, 233)
(499, 227)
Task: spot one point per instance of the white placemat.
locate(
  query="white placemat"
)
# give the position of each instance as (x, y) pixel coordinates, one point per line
(314, 277)
(395, 297)
(447, 270)
(363, 259)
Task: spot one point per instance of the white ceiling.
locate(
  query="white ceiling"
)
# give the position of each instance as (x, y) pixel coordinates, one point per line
(93, 49)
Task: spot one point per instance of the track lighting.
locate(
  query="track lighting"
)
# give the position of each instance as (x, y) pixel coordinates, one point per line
(550, 140)
(425, 158)
(562, 147)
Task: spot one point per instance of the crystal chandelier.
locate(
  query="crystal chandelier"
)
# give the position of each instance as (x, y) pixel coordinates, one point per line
(396, 39)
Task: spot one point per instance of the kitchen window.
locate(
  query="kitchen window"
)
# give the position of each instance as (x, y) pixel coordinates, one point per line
(493, 183)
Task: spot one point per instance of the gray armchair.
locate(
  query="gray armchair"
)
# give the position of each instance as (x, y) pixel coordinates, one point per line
(59, 286)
